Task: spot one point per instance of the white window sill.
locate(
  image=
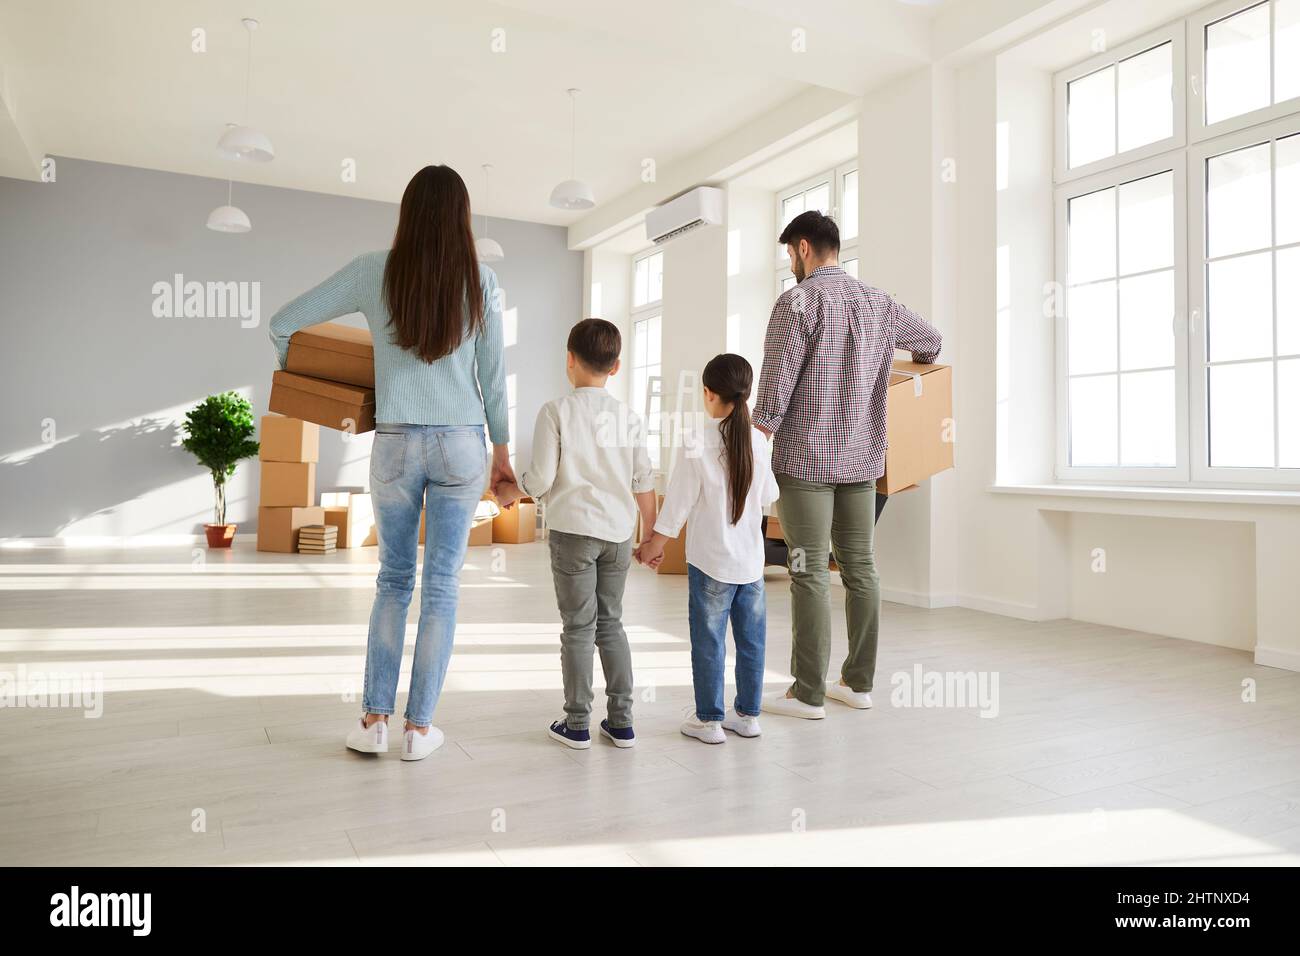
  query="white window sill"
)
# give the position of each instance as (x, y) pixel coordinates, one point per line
(1239, 496)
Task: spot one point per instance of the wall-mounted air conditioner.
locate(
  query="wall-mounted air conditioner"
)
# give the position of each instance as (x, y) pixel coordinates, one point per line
(702, 206)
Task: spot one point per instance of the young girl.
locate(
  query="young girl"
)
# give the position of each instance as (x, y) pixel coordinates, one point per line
(718, 489)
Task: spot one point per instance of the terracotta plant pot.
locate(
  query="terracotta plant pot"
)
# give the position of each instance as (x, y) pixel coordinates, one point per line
(220, 535)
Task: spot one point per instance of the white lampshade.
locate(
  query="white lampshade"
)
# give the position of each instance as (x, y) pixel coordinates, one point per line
(489, 250)
(244, 142)
(572, 194)
(229, 219)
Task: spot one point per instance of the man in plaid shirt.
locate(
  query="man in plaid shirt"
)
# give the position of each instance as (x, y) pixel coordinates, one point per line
(822, 392)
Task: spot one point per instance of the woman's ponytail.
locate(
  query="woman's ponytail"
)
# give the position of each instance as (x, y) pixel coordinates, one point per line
(730, 377)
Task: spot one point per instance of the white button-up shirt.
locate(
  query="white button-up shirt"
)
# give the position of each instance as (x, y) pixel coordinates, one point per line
(589, 458)
(698, 497)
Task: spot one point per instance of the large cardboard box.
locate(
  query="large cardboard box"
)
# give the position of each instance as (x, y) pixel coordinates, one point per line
(353, 514)
(332, 404)
(288, 484)
(277, 528)
(920, 425)
(336, 353)
(517, 524)
(289, 439)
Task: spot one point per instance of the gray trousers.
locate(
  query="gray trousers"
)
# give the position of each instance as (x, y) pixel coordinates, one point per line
(589, 578)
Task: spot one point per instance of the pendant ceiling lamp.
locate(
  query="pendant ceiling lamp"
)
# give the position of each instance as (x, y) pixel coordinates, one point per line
(229, 218)
(243, 142)
(489, 250)
(573, 193)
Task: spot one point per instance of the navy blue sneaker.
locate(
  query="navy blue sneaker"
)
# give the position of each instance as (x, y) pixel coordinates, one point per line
(619, 736)
(577, 739)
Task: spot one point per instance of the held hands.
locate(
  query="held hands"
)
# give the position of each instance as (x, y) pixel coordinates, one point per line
(651, 551)
(506, 493)
(502, 480)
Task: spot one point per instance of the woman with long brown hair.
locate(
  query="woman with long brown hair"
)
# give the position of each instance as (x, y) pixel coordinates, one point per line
(435, 319)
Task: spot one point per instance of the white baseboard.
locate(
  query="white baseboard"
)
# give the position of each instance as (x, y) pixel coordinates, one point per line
(108, 541)
(1277, 657)
(1023, 612)
(917, 598)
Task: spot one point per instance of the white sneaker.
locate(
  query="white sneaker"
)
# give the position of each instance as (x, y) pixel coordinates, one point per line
(369, 740)
(705, 731)
(417, 746)
(846, 695)
(791, 707)
(741, 724)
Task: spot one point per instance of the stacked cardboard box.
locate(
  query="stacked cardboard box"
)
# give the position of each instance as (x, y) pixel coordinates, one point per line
(289, 451)
(329, 378)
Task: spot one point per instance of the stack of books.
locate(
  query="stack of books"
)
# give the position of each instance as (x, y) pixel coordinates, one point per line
(318, 539)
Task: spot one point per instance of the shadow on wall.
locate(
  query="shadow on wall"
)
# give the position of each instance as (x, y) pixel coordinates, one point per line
(90, 474)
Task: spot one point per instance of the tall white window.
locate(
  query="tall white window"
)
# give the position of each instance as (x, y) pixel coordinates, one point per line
(835, 193)
(1179, 265)
(647, 340)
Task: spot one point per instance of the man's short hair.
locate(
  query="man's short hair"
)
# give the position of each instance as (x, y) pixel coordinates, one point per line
(596, 344)
(820, 231)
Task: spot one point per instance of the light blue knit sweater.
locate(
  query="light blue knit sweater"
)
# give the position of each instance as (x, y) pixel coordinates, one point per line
(467, 387)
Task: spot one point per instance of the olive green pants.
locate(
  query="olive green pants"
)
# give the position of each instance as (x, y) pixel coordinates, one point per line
(816, 519)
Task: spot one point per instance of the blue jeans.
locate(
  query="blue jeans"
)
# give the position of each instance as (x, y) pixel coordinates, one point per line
(711, 604)
(441, 469)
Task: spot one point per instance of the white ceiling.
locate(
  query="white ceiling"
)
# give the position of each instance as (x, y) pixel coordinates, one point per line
(396, 84)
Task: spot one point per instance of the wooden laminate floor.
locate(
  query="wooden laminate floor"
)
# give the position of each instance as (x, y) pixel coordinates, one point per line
(229, 681)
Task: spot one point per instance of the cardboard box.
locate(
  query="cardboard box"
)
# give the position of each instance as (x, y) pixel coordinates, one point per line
(289, 439)
(277, 528)
(353, 514)
(288, 484)
(332, 404)
(517, 524)
(674, 561)
(774, 528)
(920, 425)
(334, 352)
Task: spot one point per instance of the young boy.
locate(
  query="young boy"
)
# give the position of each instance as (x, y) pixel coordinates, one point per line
(591, 468)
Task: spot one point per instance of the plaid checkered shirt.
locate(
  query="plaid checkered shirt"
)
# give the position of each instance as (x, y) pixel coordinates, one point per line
(826, 360)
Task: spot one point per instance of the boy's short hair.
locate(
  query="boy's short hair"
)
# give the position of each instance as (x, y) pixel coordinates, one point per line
(820, 231)
(596, 344)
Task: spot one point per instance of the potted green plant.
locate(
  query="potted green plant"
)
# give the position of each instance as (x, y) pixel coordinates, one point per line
(219, 433)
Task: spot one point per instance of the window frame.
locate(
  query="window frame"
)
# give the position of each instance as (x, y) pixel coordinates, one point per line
(652, 309)
(835, 175)
(1196, 23)
(1175, 163)
(1197, 243)
(1172, 33)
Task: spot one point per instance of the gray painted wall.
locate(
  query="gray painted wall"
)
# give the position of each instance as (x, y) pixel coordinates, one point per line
(93, 383)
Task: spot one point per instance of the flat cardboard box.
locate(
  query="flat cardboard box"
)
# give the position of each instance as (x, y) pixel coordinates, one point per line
(334, 352)
(332, 404)
(517, 524)
(920, 425)
(288, 484)
(277, 528)
(289, 439)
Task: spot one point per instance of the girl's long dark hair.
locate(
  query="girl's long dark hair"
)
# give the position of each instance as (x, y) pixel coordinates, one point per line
(431, 281)
(730, 377)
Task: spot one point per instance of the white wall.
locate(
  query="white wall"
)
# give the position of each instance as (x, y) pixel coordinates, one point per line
(751, 289)
(94, 382)
(694, 325)
(607, 294)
